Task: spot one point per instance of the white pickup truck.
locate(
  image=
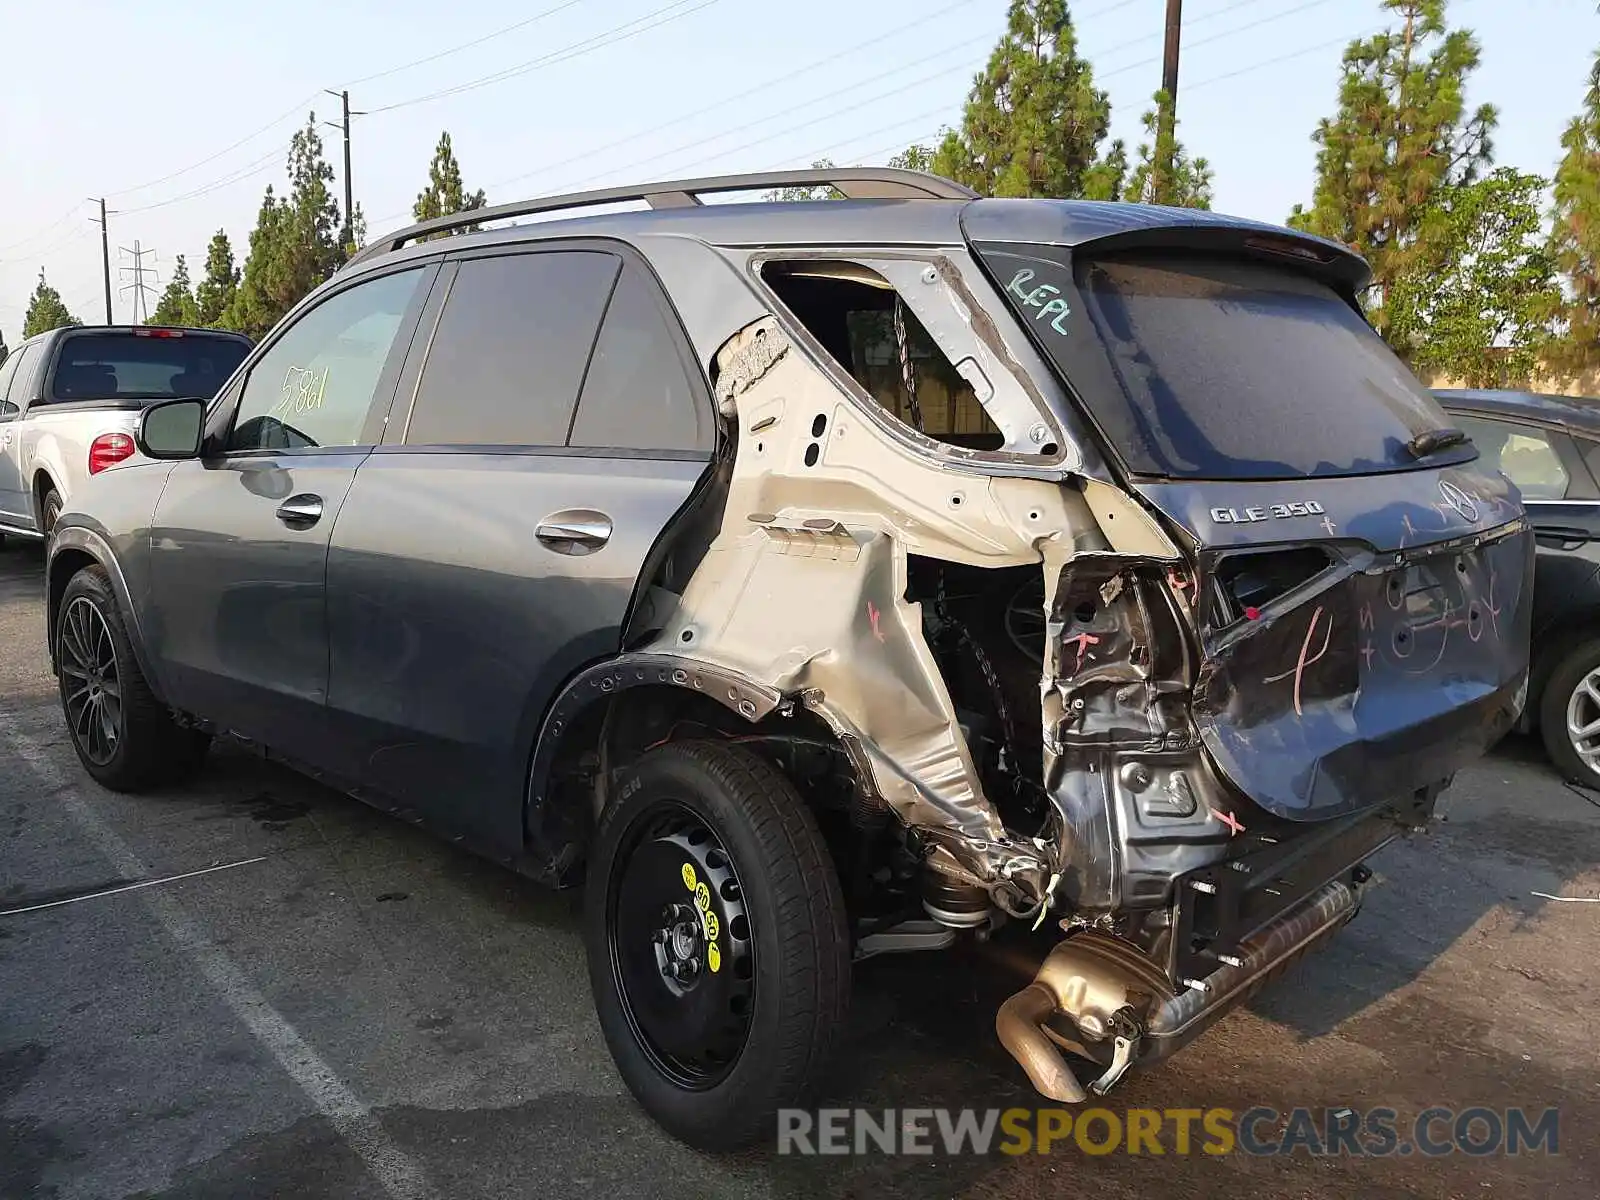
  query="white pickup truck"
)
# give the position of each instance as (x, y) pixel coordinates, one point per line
(70, 398)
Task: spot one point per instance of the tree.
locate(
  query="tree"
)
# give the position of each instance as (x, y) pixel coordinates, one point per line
(1479, 306)
(445, 194)
(1165, 173)
(1108, 178)
(1034, 120)
(820, 191)
(46, 310)
(257, 300)
(216, 290)
(1401, 133)
(177, 305)
(916, 158)
(296, 243)
(1575, 237)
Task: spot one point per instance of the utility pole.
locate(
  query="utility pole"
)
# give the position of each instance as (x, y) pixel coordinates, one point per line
(349, 190)
(1169, 58)
(1167, 135)
(140, 307)
(105, 252)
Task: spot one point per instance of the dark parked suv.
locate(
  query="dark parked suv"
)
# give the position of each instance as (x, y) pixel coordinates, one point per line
(1549, 446)
(817, 580)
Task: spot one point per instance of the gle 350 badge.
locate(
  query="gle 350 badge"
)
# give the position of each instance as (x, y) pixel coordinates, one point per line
(1267, 512)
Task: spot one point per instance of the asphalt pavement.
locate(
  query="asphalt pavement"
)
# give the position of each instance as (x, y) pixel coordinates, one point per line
(332, 1003)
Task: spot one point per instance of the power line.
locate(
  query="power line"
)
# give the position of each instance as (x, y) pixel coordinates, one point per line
(815, 100)
(832, 95)
(790, 129)
(836, 112)
(40, 232)
(1281, 58)
(238, 175)
(478, 41)
(765, 86)
(249, 137)
(575, 50)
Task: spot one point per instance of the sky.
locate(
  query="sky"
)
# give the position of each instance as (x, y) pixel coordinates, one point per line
(179, 111)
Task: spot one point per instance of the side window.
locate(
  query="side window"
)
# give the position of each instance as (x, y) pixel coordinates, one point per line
(872, 333)
(24, 383)
(8, 369)
(509, 353)
(637, 395)
(1523, 452)
(315, 384)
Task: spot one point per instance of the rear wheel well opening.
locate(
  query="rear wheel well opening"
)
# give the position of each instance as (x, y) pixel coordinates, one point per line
(63, 567)
(43, 485)
(606, 736)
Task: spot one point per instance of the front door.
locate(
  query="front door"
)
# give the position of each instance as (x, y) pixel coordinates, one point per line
(240, 536)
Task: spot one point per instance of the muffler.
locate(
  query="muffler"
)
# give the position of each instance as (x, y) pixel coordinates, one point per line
(1101, 997)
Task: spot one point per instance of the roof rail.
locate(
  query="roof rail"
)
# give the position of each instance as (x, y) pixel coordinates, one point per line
(854, 183)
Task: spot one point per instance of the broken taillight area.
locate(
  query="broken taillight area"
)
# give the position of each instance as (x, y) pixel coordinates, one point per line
(1242, 585)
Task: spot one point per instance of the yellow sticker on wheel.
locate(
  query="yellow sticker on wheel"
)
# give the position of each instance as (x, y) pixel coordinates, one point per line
(689, 879)
(714, 959)
(702, 897)
(713, 927)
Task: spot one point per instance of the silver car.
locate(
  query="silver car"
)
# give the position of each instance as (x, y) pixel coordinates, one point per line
(824, 579)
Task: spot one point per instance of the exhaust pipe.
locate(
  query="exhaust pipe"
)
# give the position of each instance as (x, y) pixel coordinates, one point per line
(1108, 989)
(1020, 1024)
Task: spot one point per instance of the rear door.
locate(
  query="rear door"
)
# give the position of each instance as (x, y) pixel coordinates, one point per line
(239, 539)
(491, 546)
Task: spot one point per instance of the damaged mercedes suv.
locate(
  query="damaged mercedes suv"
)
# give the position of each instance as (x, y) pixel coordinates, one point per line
(825, 579)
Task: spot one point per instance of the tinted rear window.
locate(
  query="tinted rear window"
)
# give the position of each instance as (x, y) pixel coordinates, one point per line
(129, 366)
(1205, 367)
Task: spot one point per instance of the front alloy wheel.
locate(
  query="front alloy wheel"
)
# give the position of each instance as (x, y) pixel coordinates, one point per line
(125, 737)
(91, 690)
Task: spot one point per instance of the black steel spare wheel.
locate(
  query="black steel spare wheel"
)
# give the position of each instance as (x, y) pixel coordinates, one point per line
(718, 950)
(681, 950)
(91, 690)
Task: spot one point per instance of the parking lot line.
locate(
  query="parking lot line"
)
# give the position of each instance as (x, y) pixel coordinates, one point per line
(131, 887)
(397, 1172)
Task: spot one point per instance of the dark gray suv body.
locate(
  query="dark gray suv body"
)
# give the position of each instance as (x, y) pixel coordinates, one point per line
(823, 579)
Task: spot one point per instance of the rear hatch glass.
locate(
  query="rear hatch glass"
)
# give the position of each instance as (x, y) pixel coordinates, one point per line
(1200, 366)
(159, 365)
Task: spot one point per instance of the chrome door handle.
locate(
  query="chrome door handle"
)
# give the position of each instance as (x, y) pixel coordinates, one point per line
(574, 531)
(300, 512)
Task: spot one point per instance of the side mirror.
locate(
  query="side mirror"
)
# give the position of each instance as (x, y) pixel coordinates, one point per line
(171, 429)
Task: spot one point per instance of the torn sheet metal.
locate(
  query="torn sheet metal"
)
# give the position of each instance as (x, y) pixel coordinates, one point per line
(804, 588)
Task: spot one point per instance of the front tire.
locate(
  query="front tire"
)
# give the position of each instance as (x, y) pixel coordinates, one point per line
(718, 948)
(125, 737)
